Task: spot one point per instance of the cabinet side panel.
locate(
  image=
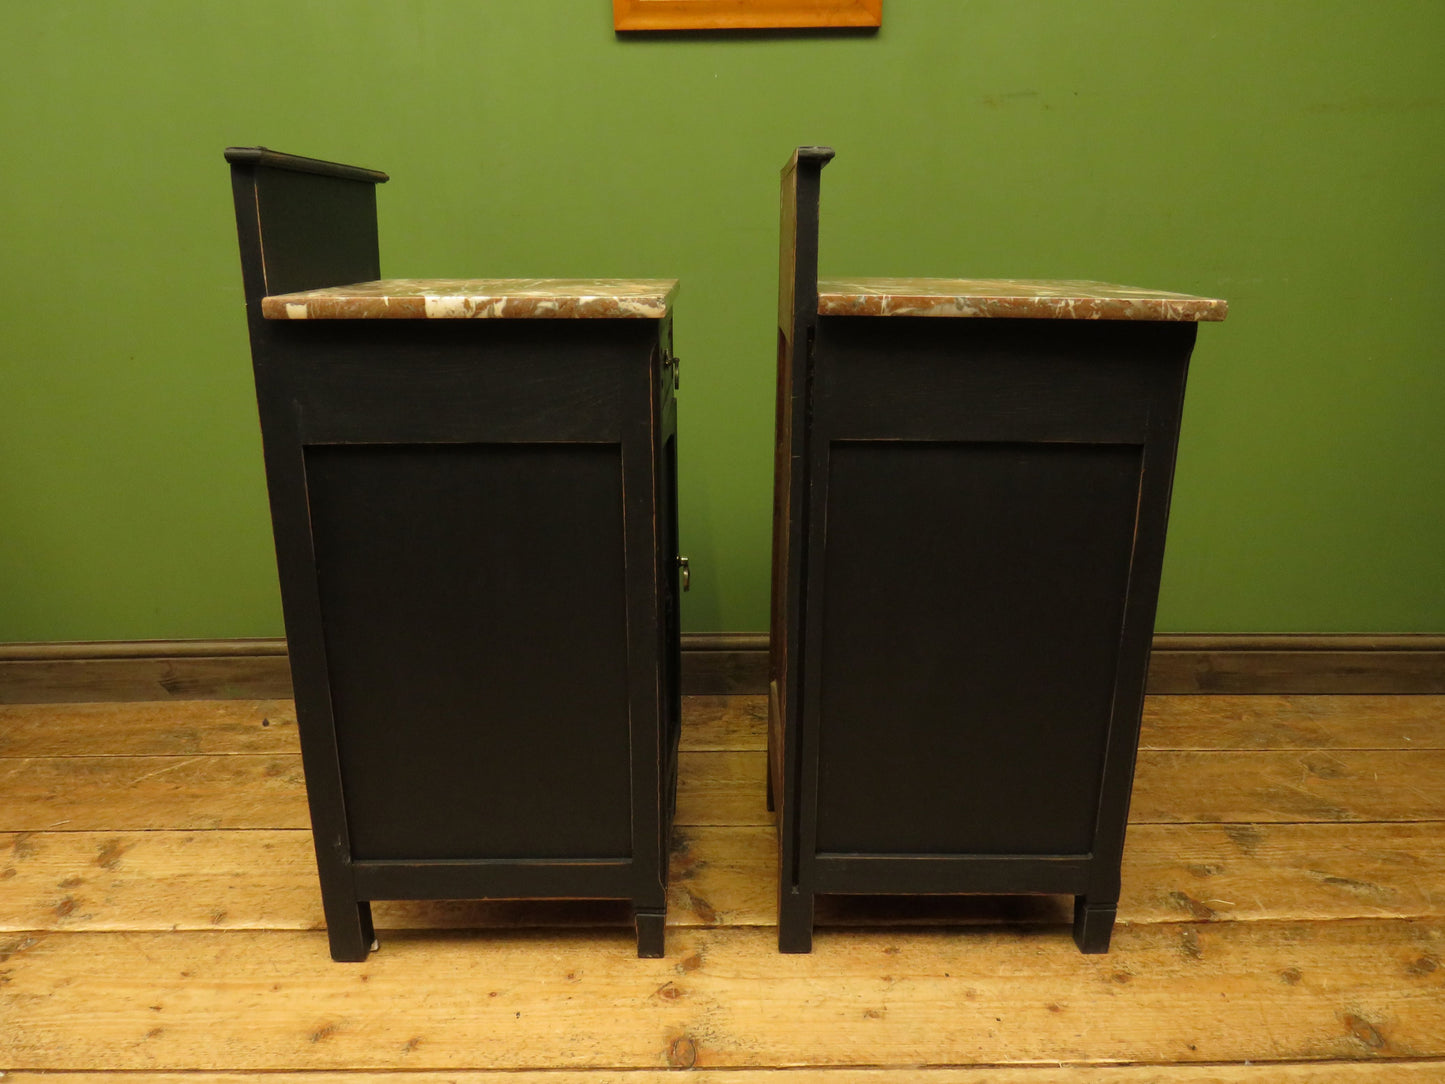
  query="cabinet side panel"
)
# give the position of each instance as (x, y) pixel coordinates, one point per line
(973, 605)
(473, 609)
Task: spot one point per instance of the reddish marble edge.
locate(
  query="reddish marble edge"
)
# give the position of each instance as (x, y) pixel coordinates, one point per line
(1039, 299)
(472, 299)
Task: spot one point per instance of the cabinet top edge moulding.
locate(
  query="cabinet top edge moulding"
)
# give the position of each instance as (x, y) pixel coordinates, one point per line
(744, 14)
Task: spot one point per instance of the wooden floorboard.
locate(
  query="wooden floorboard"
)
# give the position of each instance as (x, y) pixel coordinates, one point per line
(722, 788)
(1170, 786)
(148, 728)
(267, 790)
(192, 793)
(723, 998)
(728, 723)
(1284, 872)
(1270, 1073)
(1293, 722)
(721, 876)
(127, 793)
(1314, 1072)
(717, 723)
(183, 727)
(1269, 786)
(1284, 906)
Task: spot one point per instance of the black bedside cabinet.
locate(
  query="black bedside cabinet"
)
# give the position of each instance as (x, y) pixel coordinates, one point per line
(473, 494)
(971, 490)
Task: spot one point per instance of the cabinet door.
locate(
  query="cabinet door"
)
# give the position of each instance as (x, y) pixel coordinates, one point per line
(973, 607)
(473, 611)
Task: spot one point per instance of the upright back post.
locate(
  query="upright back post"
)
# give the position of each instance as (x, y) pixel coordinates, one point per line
(304, 224)
(797, 324)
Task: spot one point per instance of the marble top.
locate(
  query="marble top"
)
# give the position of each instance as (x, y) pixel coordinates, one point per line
(1034, 299)
(469, 299)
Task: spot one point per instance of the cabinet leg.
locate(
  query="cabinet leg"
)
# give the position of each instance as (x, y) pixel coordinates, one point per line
(795, 920)
(349, 929)
(1093, 924)
(771, 806)
(651, 933)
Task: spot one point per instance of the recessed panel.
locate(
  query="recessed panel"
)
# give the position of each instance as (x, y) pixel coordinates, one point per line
(973, 599)
(472, 600)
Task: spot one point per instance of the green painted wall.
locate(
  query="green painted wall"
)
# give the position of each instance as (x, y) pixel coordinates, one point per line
(1285, 155)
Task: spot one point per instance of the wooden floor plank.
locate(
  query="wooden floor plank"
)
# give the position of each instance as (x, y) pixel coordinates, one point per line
(1283, 872)
(727, 722)
(267, 880)
(1220, 873)
(148, 728)
(1172, 787)
(1173, 722)
(724, 722)
(720, 788)
(177, 728)
(159, 880)
(1375, 1072)
(723, 998)
(1289, 787)
(721, 876)
(106, 794)
(136, 793)
(183, 727)
(261, 880)
(1293, 722)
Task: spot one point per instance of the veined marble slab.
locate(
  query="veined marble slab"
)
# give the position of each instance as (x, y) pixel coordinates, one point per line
(1034, 299)
(471, 299)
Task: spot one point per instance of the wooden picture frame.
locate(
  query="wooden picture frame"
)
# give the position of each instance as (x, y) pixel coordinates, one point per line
(743, 14)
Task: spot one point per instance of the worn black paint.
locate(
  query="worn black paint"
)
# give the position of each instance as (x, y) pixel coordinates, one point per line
(475, 526)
